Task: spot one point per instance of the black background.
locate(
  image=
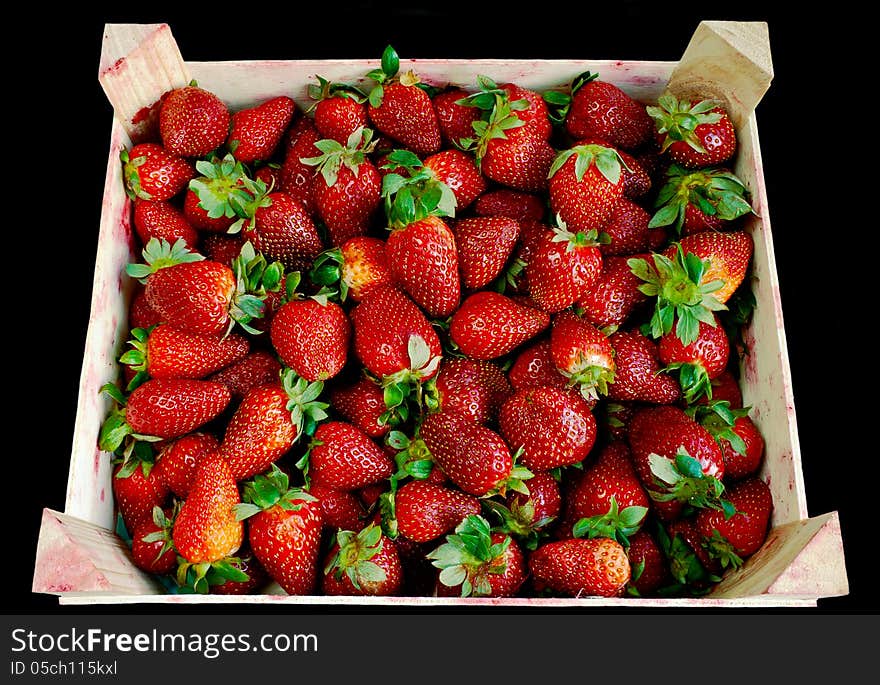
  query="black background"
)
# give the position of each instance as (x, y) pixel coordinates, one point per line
(812, 131)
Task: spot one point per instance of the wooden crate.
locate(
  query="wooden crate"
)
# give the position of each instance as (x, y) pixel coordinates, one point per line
(82, 561)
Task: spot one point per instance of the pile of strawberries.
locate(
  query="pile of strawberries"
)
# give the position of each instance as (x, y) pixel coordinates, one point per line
(440, 342)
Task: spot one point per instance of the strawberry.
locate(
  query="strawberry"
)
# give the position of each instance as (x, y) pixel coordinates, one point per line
(553, 427)
(636, 179)
(343, 457)
(178, 461)
(585, 185)
(164, 221)
(339, 109)
(296, 175)
(152, 549)
(363, 404)
(457, 170)
(140, 313)
(725, 387)
(534, 368)
(615, 418)
(695, 201)
(687, 558)
(577, 567)
(165, 352)
(283, 231)
(475, 458)
(425, 511)
(219, 197)
(475, 562)
(256, 131)
(677, 460)
(137, 490)
(206, 529)
(269, 420)
(527, 516)
(473, 389)
(339, 509)
(529, 107)
(510, 203)
(519, 160)
(270, 174)
(649, 571)
(454, 118)
(699, 362)
(741, 443)
(284, 530)
(693, 134)
(347, 191)
(311, 336)
(484, 245)
(355, 267)
(627, 229)
(611, 300)
(562, 267)
(602, 110)
(364, 563)
(728, 256)
(204, 297)
(582, 354)
(153, 173)
(608, 501)
(222, 248)
(257, 368)
(637, 376)
(489, 325)
(731, 539)
(246, 564)
(192, 121)
(392, 338)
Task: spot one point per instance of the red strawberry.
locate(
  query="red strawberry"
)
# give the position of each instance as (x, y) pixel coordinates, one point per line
(741, 443)
(269, 174)
(153, 173)
(688, 559)
(137, 490)
(425, 511)
(534, 368)
(198, 217)
(489, 325)
(475, 562)
(638, 374)
(697, 363)
(530, 108)
(474, 389)
(347, 191)
(582, 354)
(269, 420)
(693, 134)
(510, 203)
(455, 120)
(636, 179)
(343, 457)
(562, 267)
(616, 418)
(256, 369)
(554, 428)
(585, 185)
(364, 405)
(193, 121)
(602, 110)
(364, 563)
(248, 565)
(677, 460)
(177, 463)
(728, 255)
(608, 500)
(400, 109)
(484, 245)
(391, 336)
(725, 387)
(735, 538)
(339, 110)
(165, 352)
(218, 197)
(475, 458)
(339, 509)
(457, 170)
(614, 296)
(527, 516)
(296, 175)
(140, 313)
(628, 230)
(152, 549)
(649, 571)
(164, 221)
(206, 529)
(283, 231)
(520, 161)
(284, 530)
(577, 567)
(364, 266)
(222, 248)
(256, 131)
(311, 337)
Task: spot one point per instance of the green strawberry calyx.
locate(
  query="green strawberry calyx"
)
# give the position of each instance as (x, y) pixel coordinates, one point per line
(117, 437)
(158, 254)
(131, 176)
(718, 418)
(590, 374)
(407, 386)
(499, 116)
(326, 272)
(255, 278)
(413, 458)
(225, 190)
(559, 102)
(715, 192)
(268, 490)
(693, 379)
(415, 196)
(518, 520)
(163, 535)
(352, 559)
(607, 161)
(676, 120)
(334, 155)
(682, 480)
(581, 239)
(685, 567)
(615, 524)
(682, 297)
(306, 412)
(200, 578)
(721, 549)
(514, 481)
(388, 73)
(136, 358)
(324, 90)
(469, 557)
